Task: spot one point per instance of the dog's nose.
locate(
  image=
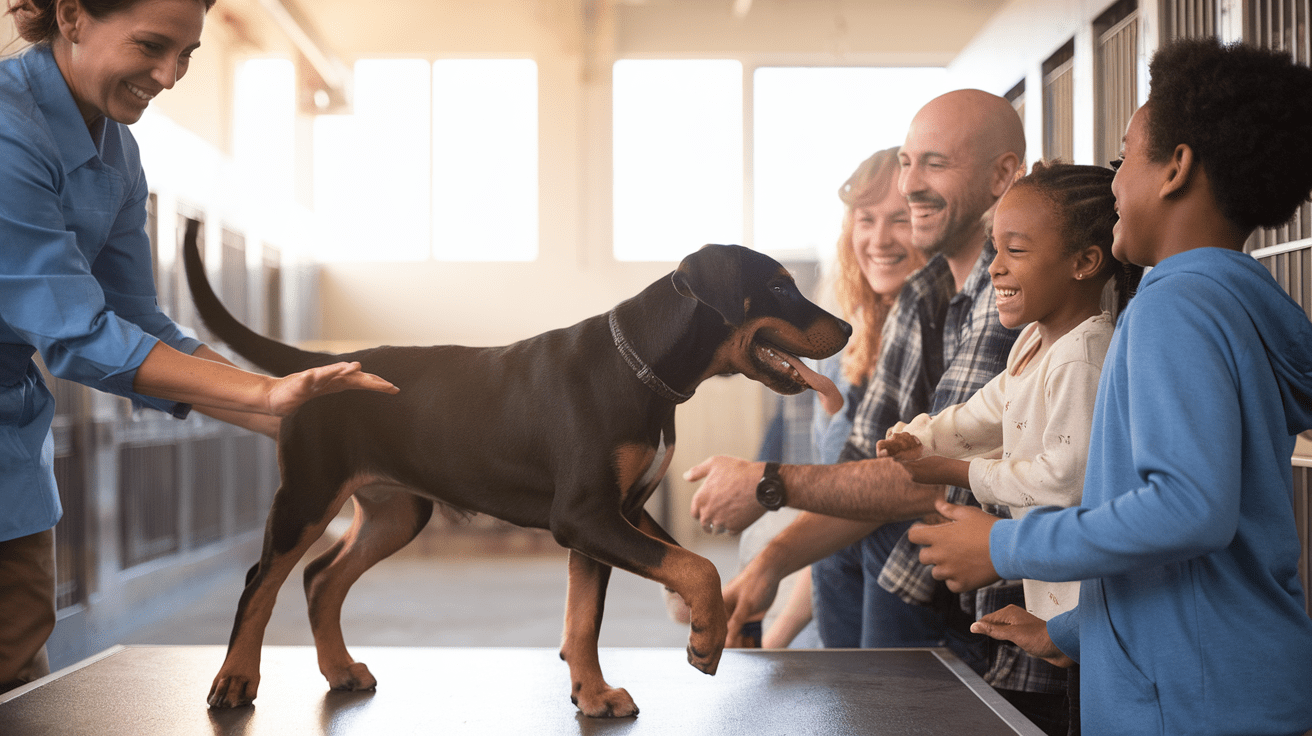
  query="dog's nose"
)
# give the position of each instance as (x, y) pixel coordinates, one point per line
(846, 328)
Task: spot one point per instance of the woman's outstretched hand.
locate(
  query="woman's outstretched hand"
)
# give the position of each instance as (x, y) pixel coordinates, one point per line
(289, 392)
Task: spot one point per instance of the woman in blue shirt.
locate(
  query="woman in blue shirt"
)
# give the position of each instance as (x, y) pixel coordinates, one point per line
(75, 274)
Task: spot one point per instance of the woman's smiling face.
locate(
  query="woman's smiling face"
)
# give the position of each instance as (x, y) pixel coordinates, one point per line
(881, 239)
(116, 64)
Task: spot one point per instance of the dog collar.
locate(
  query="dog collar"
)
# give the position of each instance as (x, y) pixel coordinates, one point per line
(643, 370)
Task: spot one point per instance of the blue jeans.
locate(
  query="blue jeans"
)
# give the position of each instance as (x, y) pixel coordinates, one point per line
(851, 610)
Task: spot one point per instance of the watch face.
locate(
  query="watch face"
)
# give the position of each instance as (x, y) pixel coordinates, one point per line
(770, 493)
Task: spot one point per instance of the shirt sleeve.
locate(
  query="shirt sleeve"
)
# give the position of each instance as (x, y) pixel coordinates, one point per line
(1064, 630)
(1181, 496)
(1055, 476)
(50, 298)
(962, 431)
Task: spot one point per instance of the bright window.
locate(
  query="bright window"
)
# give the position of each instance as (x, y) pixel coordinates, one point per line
(678, 157)
(436, 160)
(485, 159)
(372, 168)
(264, 126)
(811, 127)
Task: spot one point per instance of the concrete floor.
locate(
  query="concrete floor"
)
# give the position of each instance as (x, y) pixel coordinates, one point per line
(447, 600)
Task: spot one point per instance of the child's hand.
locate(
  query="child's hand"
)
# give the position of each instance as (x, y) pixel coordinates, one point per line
(959, 549)
(937, 470)
(901, 446)
(1027, 631)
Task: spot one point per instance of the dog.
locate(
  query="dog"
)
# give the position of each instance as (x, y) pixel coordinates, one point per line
(569, 431)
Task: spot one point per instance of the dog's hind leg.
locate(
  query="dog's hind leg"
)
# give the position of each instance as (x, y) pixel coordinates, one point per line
(296, 520)
(384, 522)
(584, 603)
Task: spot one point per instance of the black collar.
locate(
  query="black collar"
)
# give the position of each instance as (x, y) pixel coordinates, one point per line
(643, 370)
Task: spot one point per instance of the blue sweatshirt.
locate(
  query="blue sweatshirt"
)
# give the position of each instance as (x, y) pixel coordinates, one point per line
(1191, 617)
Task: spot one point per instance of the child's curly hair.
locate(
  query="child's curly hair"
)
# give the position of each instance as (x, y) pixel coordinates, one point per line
(1246, 113)
(1081, 197)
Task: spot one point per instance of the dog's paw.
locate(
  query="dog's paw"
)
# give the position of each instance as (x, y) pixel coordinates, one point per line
(707, 662)
(354, 677)
(232, 691)
(610, 702)
(706, 644)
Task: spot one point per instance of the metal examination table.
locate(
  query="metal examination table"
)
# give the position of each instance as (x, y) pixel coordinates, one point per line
(150, 691)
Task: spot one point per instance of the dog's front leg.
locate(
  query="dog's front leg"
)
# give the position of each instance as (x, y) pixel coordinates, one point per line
(584, 602)
(697, 581)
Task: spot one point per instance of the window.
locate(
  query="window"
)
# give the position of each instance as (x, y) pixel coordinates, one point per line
(485, 160)
(404, 179)
(1059, 105)
(264, 126)
(1116, 38)
(811, 127)
(678, 157)
(1016, 96)
(372, 168)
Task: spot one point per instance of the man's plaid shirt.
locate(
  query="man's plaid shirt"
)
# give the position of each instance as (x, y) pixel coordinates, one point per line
(938, 348)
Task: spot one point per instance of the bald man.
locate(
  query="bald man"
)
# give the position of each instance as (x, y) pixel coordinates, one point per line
(941, 344)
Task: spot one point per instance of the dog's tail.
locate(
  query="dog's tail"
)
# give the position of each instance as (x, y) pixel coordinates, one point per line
(270, 355)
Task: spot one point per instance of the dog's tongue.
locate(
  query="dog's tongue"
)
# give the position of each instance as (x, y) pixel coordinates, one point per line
(830, 398)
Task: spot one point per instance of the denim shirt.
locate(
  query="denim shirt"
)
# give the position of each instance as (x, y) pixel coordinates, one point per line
(76, 280)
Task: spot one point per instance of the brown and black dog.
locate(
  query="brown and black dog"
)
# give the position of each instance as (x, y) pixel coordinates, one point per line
(569, 431)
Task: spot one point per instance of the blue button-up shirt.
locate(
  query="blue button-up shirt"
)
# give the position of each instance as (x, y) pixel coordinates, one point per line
(75, 274)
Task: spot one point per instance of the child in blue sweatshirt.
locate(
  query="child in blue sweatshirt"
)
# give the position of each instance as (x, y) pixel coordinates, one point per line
(1191, 616)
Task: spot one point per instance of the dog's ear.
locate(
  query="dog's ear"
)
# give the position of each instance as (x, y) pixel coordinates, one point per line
(712, 276)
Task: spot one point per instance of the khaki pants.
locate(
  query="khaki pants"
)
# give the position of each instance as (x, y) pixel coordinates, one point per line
(27, 607)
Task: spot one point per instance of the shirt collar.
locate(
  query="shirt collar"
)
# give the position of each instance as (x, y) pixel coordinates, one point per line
(978, 280)
(56, 102)
(930, 276)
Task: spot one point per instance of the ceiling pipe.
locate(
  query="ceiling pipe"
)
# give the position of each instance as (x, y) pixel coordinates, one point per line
(333, 74)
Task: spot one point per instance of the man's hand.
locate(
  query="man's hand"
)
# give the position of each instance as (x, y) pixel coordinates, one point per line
(746, 598)
(1027, 631)
(959, 549)
(289, 392)
(726, 501)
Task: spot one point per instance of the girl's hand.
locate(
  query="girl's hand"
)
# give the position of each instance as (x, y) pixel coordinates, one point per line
(901, 446)
(937, 470)
(289, 392)
(1025, 630)
(958, 549)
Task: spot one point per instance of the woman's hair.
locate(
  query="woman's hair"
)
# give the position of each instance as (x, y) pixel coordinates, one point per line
(869, 184)
(1081, 197)
(36, 20)
(1246, 113)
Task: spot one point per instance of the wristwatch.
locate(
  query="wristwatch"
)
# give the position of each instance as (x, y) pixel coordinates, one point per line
(770, 491)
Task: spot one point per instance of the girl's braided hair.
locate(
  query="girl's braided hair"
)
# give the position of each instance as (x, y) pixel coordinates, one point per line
(1081, 197)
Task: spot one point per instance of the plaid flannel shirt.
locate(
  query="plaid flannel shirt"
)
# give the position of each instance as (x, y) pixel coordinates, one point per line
(942, 347)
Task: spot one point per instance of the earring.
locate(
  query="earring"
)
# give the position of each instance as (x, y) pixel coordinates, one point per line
(1079, 276)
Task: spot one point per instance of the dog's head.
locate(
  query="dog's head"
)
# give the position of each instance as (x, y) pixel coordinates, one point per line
(771, 323)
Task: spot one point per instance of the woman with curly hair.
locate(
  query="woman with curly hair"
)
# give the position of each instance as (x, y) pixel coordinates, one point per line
(1191, 617)
(76, 268)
